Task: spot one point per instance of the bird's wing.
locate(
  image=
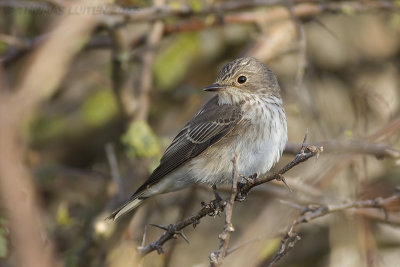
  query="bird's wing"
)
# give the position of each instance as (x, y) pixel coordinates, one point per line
(208, 127)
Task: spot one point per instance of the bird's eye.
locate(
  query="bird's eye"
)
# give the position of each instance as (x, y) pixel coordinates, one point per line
(242, 79)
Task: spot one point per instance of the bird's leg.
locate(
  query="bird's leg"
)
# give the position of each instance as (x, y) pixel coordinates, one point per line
(240, 196)
(217, 205)
(216, 194)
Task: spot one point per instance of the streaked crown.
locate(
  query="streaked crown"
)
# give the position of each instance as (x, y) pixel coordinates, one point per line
(245, 75)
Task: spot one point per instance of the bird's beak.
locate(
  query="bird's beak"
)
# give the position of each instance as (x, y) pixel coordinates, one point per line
(214, 87)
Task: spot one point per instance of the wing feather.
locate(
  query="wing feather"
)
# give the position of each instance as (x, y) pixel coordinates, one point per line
(211, 124)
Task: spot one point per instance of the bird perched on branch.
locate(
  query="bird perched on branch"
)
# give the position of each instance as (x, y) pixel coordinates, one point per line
(245, 118)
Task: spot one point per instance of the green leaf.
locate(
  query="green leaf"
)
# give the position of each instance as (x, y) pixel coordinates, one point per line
(3, 243)
(348, 10)
(99, 108)
(140, 140)
(172, 63)
(63, 218)
(48, 127)
(195, 5)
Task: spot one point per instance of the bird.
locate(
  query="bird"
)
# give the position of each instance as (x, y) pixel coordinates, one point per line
(245, 118)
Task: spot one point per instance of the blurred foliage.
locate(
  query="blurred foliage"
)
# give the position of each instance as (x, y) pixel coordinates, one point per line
(172, 64)
(47, 127)
(63, 217)
(350, 90)
(99, 108)
(3, 239)
(140, 140)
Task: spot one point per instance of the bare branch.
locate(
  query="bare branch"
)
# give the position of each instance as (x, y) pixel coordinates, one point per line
(173, 230)
(350, 146)
(153, 39)
(218, 256)
(121, 72)
(312, 212)
(112, 161)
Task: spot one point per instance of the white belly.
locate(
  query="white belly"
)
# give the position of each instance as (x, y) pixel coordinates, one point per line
(257, 148)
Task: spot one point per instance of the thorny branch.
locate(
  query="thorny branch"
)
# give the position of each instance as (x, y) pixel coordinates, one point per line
(216, 206)
(218, 256)
(175, 229)
(311, 212)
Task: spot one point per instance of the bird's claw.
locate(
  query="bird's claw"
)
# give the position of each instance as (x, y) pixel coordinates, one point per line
(217, 207)
(241, 196)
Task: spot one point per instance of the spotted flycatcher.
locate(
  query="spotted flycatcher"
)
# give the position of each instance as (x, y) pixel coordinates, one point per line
(245, 118)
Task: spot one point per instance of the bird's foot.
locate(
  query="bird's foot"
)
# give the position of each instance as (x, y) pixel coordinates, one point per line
(215, 207)
(216, 194)
(171, 229)
(241, 196)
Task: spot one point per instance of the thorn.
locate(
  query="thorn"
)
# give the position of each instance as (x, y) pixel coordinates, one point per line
(195, 223)
(159, 249)
(160, 226)
(282, 178)
(183, 236)
(171, 229)
(303, 145)
(144, 236)
(293, 205)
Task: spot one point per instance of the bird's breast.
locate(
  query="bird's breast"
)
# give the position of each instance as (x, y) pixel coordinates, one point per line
(258, 141)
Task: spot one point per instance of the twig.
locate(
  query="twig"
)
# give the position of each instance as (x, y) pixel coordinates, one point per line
(112, 161)
(312, 212)
(302, 46)
(218, 256)
(231, 250)
(288, 242)
(153, 39)
(121, 73)
(378, 150)
(207, 209)
(144, 235)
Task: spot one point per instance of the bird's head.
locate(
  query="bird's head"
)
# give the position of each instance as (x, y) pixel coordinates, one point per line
(243, 77)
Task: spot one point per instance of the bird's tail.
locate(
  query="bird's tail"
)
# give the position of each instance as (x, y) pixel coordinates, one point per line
(124, 209)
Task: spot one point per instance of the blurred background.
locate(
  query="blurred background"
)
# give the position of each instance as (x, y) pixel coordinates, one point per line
(92, 93)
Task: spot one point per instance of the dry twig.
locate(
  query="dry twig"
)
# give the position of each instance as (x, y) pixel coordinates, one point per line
(153, 39)
(218, 256)
(378, 150)
(312, 212)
